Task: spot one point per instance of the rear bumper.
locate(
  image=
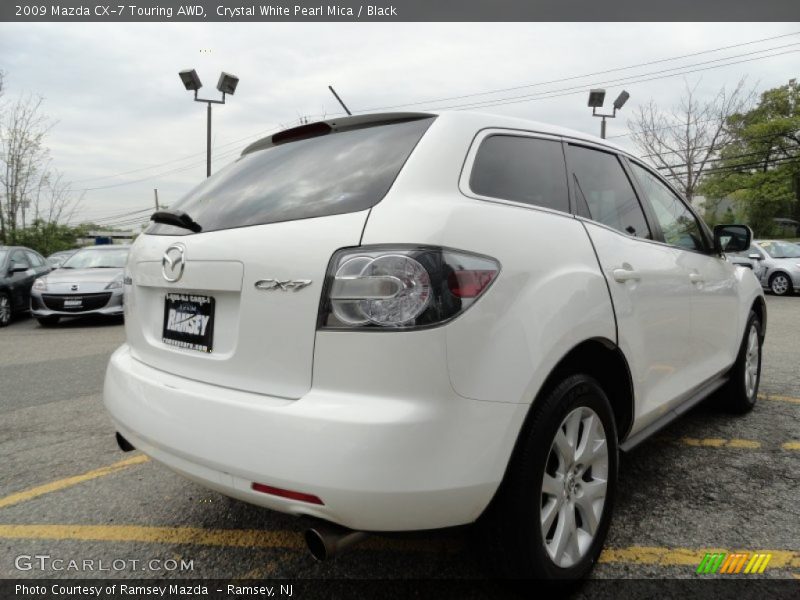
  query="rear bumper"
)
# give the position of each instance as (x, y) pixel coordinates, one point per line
(377, 463)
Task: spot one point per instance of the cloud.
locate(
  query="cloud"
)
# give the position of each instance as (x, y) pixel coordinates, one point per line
(114, 92)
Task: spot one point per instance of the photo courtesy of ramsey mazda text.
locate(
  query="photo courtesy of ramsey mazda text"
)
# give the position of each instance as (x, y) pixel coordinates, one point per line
(409, 321)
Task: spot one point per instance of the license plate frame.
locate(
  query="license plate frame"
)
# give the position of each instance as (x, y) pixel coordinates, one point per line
(189, 321)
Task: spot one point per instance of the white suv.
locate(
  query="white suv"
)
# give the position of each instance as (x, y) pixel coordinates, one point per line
(412, 321)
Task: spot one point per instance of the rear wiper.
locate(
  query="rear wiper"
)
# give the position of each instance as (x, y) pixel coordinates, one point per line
(178, 218)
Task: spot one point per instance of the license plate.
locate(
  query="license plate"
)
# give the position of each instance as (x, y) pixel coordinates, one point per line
(189, 321)
(73, 303)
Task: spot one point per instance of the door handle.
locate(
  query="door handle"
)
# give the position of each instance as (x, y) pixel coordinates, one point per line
(696, 278)
(623, 275)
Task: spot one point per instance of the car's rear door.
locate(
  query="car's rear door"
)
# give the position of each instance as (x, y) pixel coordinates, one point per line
(715, 329)
(648, 282)
(20, 281)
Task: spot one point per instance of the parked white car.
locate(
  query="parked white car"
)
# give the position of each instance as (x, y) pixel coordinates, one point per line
(411, 321)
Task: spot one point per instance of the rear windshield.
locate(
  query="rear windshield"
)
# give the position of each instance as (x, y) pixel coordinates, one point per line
(330, 174)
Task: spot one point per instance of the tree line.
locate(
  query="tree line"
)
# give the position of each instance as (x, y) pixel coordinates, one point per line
(737, 148)
(35, 199)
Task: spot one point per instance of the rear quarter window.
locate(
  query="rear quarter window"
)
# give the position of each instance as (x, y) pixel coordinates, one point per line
(521, 169)
(335, 173)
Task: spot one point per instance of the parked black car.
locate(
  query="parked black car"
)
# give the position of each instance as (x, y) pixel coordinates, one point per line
(19, 267)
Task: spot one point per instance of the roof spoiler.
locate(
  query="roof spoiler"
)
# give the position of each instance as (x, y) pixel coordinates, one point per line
(321, 128)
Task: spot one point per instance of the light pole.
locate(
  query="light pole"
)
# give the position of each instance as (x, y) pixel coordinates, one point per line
(596, 99)
(226, 84)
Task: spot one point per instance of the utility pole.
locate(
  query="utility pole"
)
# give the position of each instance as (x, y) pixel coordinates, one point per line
(155, 191)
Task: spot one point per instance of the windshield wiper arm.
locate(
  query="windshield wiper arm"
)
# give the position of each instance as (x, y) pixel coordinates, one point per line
(178, 218)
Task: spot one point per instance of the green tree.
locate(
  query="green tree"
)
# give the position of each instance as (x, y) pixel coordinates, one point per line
(760, 167)
(48, 237)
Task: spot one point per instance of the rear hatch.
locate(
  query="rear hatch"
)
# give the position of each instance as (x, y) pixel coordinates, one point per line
(236, 303)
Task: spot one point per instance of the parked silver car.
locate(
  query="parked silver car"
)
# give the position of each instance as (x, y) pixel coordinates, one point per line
(88, 282)
(56, 259)
(776, 264)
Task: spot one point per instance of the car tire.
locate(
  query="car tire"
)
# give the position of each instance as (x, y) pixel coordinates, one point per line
(539, 525)
(48, 321)
(741, 392)
(780, 284)
(5, 310)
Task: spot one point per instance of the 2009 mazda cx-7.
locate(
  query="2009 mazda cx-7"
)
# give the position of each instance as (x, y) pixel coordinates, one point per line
(411, 321)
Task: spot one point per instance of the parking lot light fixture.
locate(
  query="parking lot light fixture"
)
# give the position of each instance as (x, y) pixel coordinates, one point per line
(227, 85)
(190, 80)
(596, 99)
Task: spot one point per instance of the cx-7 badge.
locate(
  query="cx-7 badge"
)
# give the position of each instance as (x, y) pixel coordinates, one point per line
(283, 285)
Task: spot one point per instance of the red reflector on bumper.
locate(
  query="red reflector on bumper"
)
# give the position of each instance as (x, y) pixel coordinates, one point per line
(268, 489)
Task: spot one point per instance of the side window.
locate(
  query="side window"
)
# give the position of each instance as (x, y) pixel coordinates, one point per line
(34, 259)
(521, 169)
(679, 225)
(18, 257)
(753, 249)
(602, 188)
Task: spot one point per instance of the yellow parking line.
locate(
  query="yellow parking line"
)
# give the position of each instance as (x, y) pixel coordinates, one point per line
(791, 446)
(667, 557)
(293, 540)
(736, 443)
(70, 481)
(779, 398)
(239, 538)
(719, 443)
(273, 567)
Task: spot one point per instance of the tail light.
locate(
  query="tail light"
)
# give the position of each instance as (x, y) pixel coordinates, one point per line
(402, 287)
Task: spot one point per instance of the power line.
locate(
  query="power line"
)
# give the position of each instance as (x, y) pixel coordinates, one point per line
(719, 146)
(226, 154)
(712, 160)
(187, 157)
(116, 216)
(512, 100)
(540, 83)
(625, 80)
(752, 165)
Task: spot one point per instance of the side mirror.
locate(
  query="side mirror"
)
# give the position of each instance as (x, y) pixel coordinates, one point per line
(755, 256)
(732, 238)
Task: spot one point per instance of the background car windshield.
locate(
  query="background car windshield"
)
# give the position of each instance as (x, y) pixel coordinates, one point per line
(336, 173)
(781, 249)
(97, 259)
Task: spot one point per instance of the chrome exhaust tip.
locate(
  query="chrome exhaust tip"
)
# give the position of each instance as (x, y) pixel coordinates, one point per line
(325, 541)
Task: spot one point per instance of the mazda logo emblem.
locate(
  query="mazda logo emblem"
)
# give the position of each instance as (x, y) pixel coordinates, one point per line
(173, 262)
(74, 288)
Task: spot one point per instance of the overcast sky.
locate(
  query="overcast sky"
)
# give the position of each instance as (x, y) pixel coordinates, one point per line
(119, 106)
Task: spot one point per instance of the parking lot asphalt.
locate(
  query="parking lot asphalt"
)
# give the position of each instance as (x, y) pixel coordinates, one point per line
(709, 482)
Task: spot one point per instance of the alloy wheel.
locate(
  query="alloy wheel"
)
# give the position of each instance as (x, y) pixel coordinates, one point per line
(752, 356)
(780, 284)
(574, 487)
(5, 310)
